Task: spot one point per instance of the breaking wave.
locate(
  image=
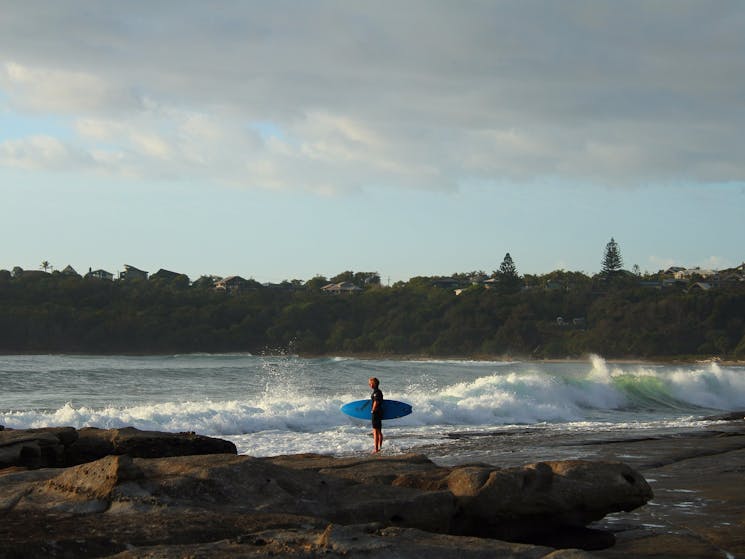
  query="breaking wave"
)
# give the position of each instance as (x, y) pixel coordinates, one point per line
(508, 395)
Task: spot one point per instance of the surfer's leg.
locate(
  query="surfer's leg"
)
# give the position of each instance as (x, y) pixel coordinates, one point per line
(377, 439)
(377, 425)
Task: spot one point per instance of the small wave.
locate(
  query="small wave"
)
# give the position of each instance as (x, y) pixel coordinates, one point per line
(198, 354)
(465, 362)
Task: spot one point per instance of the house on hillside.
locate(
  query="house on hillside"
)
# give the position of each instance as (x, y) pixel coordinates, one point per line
(693, 272)
(725, 279)
(342, 288)
(99, 274)
(491, 283)
(233, 285)
(132, 273)
(69, 271)
(168, 276)
(446, 283)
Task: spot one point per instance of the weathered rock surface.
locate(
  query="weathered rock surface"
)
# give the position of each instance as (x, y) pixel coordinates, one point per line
(517, 504)
(699, 504)
(216, 505)
(66, 446)
(35, 447)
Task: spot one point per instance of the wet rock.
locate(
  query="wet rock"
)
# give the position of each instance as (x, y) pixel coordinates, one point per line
(66, 446)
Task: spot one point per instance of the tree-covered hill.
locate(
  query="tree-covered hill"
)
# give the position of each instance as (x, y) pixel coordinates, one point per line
(561, 315)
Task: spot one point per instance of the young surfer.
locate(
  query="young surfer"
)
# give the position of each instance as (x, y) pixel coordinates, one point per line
(377, 413)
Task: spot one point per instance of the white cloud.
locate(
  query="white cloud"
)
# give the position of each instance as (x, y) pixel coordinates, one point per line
(421, 95)
(39, 153)
(716, 263)
(45, 90)
(662, 262)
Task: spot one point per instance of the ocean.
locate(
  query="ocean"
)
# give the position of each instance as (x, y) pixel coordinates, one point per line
(492, 411)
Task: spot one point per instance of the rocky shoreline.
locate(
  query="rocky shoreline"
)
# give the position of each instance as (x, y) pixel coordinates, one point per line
(129, 493)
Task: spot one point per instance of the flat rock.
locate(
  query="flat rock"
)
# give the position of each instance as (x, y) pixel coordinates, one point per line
(698, 509)
(67, 446)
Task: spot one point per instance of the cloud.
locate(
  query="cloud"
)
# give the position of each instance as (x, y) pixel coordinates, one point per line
(716, 263)
(45, 90)
(425, 95)
(40, 153)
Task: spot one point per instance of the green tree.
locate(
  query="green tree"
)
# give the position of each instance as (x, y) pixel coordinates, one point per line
(344, 276)
(316, 283)
(205, 282)
(507, 267)
(612, 261)
(509, 280)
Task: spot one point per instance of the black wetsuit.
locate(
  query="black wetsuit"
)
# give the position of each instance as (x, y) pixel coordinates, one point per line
(377, 416)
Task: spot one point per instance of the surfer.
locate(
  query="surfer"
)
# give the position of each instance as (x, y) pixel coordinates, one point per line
(377, 413)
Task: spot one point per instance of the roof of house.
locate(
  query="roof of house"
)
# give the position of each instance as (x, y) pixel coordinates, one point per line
(129, 268)
(166, 274)
(341, 286)
(99, 273)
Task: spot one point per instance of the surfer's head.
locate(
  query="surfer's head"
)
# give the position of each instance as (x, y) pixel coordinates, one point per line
(373, 382)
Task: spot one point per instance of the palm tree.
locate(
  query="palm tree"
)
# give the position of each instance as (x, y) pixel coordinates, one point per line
(45, 265)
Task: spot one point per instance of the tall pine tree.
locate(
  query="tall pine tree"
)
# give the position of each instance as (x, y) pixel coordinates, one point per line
(509, 280)
(612, 261)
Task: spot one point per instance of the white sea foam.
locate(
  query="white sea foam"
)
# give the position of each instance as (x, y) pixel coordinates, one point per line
(275, 404)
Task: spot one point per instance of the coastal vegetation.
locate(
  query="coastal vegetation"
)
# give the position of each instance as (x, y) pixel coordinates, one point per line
(556, 315)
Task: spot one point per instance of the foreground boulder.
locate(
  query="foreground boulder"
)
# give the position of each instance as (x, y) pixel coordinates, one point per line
(67, 446)
(535, 502)
(307, 505)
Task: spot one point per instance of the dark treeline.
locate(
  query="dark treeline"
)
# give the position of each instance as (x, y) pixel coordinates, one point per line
(56, 313)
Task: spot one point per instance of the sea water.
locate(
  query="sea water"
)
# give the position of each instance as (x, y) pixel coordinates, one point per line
(270, 405)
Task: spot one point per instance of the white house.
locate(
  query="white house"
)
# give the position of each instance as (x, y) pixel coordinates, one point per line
(341, 288)
(691, 272)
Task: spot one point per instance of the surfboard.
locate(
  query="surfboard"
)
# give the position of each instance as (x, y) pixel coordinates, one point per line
(391, 409)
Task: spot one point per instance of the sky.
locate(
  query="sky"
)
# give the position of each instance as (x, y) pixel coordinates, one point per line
(282, 139)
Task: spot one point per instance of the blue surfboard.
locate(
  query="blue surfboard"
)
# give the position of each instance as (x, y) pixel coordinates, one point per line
(391, 409)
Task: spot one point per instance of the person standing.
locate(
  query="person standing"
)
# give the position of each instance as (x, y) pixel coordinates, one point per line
(376, 412)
